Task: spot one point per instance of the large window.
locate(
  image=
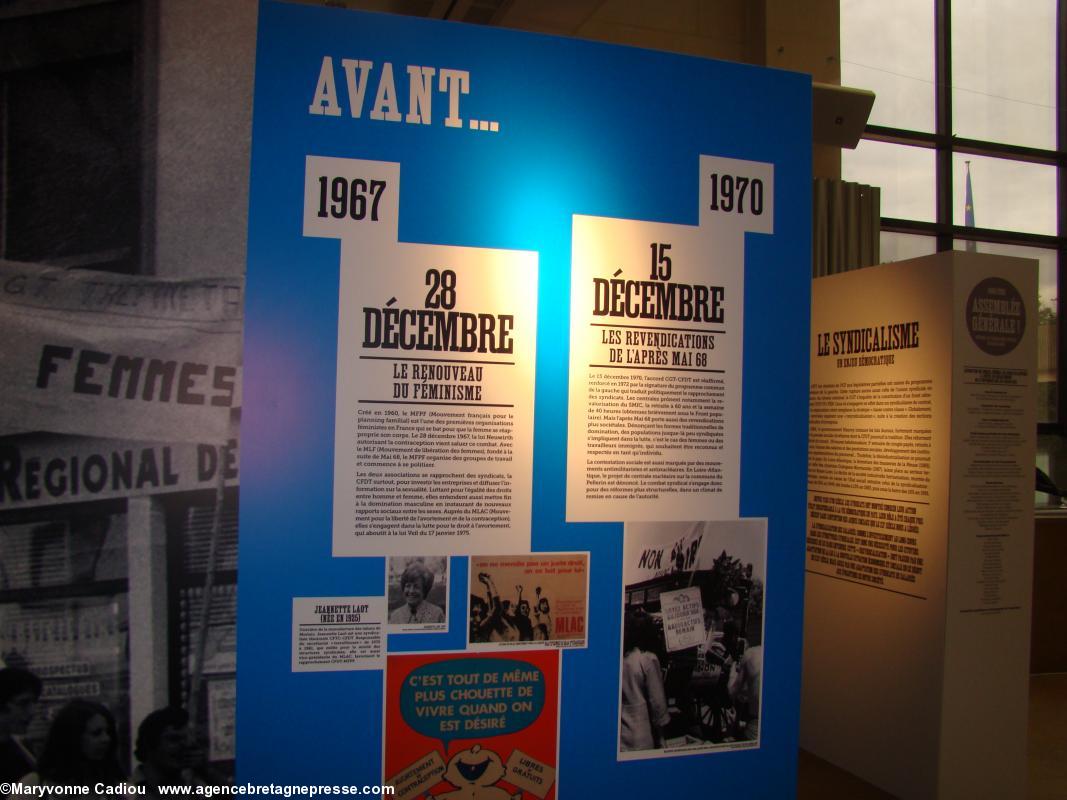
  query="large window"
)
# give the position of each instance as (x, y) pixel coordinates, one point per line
(968, 88)
(64, 607)
(70, 165)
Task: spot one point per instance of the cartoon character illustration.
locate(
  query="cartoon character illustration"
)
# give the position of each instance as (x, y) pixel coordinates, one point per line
(474, 772)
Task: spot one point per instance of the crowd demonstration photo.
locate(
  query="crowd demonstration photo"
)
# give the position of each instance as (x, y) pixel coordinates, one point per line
(81, 747)
(708, 694)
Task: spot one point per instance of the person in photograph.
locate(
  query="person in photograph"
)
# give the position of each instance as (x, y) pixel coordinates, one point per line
(722, 614)
(479, 620)
(485, 613)
(19, 692)
(542, 618)
(415, 583)
(644, 711)
(745, 690)
(162, 747)
(498, 623)
(721, 653)
(81, 749)
(522, 621)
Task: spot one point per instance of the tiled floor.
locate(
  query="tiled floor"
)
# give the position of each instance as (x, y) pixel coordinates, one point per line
(1047, 779)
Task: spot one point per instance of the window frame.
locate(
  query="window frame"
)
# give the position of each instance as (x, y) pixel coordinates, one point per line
(51, 34)
(945, 145)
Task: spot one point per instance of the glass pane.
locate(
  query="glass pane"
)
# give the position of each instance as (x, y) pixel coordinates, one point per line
(1008, 195)
(1048, 325)
(1052, 460)
(905, 175)
(901, 246)
(197, 534)
(80, 549)
(220, 665)
(1003, 71)
(891, 54)
(79, 647)
(217, 693)
(72, 181)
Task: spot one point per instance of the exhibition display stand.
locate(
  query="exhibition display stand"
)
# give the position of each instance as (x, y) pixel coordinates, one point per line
(524, 420)
(920, 524)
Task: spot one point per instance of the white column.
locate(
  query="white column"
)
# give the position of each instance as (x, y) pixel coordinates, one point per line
(146, 548)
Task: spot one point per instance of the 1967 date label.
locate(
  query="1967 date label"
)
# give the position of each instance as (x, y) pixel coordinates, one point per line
(356, 198)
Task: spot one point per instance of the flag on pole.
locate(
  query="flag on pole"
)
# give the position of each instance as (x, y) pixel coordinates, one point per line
(968, 211)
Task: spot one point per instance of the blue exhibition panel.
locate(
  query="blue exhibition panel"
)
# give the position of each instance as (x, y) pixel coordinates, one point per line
(571, 128)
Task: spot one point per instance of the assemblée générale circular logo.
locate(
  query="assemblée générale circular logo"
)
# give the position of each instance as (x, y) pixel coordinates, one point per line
(996, 316)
